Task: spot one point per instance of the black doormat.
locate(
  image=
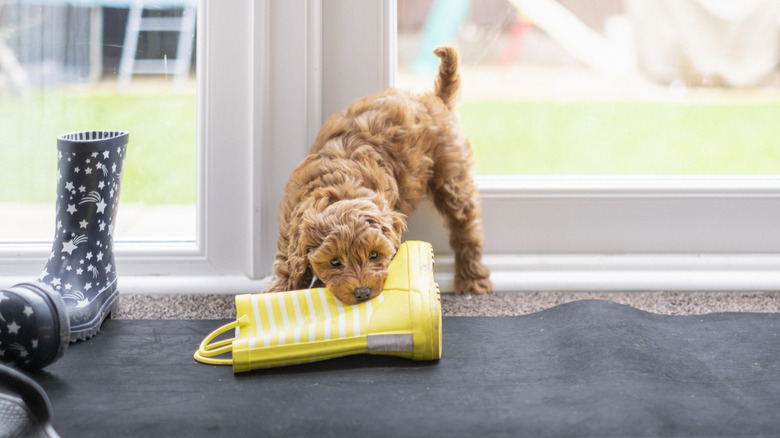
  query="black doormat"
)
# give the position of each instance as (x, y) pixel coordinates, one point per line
(587, 368)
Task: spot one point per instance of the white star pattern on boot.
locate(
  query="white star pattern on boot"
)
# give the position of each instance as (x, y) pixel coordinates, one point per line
(13, 327)
(68, 247)
(18, 347)
(101, 206)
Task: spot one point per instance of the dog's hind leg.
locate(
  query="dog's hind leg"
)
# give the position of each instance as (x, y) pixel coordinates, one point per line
(457, 199)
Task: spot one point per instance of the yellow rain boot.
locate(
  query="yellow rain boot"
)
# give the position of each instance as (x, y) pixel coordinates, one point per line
(288, 328)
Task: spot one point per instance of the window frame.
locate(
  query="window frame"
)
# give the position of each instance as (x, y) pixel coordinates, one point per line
(219, 256)
(270, 72)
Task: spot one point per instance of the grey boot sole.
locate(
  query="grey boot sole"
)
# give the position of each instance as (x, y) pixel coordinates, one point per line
(89, 329)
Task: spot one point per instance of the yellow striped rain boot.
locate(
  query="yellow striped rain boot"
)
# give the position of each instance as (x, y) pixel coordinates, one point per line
(288, 328)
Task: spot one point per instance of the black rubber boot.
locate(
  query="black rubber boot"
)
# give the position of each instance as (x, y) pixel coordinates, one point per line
(81, 263)
(34, 326)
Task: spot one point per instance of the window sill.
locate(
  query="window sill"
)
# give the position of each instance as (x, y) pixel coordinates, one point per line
(531, 273)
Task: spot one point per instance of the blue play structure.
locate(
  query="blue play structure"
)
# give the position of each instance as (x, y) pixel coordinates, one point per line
(441, 27)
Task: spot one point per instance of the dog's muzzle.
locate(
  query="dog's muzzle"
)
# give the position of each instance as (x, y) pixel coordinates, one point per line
(362, 293)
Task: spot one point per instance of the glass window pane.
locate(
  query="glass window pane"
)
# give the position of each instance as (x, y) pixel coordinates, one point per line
(607, 86)
(60, 65)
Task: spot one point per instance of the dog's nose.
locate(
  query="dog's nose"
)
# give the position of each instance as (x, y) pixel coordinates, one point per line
(362, 293)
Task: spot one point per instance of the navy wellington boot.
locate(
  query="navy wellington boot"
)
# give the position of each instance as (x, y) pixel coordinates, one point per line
(34, 326)
(81, 264)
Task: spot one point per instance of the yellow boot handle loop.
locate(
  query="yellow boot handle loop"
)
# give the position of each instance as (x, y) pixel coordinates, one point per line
(207, 350)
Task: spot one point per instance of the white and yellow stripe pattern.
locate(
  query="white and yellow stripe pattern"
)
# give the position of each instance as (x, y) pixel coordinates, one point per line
(304, 316)
(309, 315)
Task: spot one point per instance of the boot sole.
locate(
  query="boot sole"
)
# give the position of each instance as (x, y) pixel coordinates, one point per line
(87, 331)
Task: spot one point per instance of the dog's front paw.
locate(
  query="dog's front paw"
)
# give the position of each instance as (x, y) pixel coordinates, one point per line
(473, 286)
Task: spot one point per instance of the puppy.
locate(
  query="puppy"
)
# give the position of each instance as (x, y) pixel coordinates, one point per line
(347, 202)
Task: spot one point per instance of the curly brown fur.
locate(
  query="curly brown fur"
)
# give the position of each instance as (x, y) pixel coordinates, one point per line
(345, 205)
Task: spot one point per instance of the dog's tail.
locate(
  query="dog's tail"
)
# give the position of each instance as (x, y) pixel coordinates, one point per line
(448, 80)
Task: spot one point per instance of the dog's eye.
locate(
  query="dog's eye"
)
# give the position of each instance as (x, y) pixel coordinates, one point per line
(335, 262)
(372, 255)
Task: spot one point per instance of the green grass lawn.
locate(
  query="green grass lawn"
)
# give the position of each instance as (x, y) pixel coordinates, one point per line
(160, 161)
(508, 137)
(623, 138)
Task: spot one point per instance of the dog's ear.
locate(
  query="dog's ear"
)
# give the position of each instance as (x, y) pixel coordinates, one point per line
(399, 225)
(391, 223)
(301, 243)
(298, 265)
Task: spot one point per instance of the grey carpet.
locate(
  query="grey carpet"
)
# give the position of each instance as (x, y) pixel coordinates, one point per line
(582, 369)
